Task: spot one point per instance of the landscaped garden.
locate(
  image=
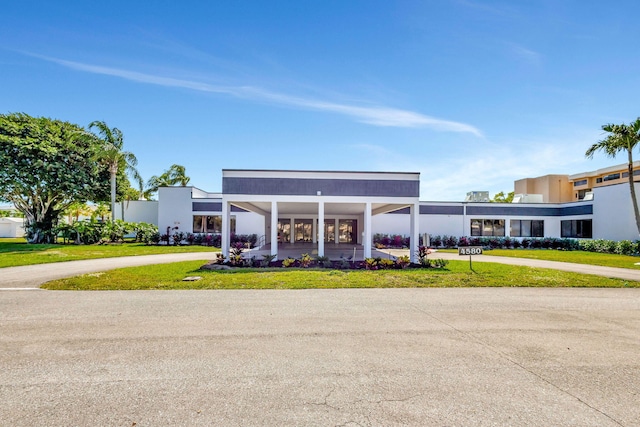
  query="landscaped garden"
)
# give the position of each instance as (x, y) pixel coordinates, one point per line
(456, 274)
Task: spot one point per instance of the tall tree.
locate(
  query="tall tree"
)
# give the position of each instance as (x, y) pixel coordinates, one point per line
(143, 192)
(178, 175)
(101, 210)
(502, 198)
(112, 155)
(621, 138)
(44, 169)
(175, 175)
(75, 210)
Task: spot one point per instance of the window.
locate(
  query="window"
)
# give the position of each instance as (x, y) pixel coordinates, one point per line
(598, 180)
(198, 224)
(576, 228)
(527, 228)
(211, 224)
(611, 177)
(635, 173)
(487, 227)
(583, 193)
(579, 183)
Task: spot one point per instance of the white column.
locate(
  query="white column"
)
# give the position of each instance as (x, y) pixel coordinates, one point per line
(320, 228)
(292, 237)
(414, 213)
(314, 231)
(274, 229)
(336, 238)
(267, 229)
(367, 230)
(225, 240)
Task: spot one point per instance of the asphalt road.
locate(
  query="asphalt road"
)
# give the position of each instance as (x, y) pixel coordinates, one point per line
(435, 357)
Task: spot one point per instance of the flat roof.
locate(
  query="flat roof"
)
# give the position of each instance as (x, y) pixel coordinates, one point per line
(315, 171)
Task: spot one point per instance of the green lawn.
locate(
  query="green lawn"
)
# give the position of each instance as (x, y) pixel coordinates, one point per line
(579, 257)
(457, 274)
(14, 252)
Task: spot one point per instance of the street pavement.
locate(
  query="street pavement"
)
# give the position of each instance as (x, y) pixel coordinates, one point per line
(348, 357)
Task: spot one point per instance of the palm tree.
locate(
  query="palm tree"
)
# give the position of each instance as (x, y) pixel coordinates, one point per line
(101, 210)
(621, 138)
(111, 154)
(75, 210)
(176, 174)
(159, 181)
(143, 194)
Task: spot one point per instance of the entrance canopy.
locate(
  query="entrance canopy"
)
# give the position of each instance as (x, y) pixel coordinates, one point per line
(319, 206)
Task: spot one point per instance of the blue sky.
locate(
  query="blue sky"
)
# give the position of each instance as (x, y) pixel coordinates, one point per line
(472, 94)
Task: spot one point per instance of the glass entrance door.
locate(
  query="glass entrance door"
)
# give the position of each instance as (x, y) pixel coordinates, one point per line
(329, 230)
(347, 231)
(284, 230)
(303, 230)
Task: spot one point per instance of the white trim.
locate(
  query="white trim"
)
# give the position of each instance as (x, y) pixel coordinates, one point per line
(386, 176)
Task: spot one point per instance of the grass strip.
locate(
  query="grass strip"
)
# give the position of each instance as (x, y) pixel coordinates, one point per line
(14, 253)
(457, 274)
(578, 257)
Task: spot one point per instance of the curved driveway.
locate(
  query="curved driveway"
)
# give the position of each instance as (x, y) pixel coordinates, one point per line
(32, 276)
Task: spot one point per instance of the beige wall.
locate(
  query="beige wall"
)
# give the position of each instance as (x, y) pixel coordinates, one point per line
(554, 188)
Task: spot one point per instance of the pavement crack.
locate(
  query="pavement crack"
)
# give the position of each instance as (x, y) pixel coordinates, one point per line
(406, 399)
(325, 401)
(518, 364)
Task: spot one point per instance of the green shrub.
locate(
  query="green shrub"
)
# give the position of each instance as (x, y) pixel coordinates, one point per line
(305, 260)
(323, 261)
(403, 261)
(288, 262)
(624, 247)
(386, 264)
(266, 260)
(371, 263)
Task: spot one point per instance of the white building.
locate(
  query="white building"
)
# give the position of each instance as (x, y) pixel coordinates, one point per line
(325, 209)
(11, 227)
(285, 207)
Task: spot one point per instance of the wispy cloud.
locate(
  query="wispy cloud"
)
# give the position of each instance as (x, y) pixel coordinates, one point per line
(373, 114)
(495, 170)
(525, 54)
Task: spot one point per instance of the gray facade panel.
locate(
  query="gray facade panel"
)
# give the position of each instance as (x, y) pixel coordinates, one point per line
(441, 210)
(529, 210)
(328, 187)
(212, 207)
(207, 206)
(577, 210)
(499, 210)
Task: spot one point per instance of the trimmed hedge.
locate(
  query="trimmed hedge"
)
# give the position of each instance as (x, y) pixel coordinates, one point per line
(623, 247)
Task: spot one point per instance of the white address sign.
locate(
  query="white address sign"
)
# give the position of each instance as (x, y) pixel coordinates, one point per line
(470, 250)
